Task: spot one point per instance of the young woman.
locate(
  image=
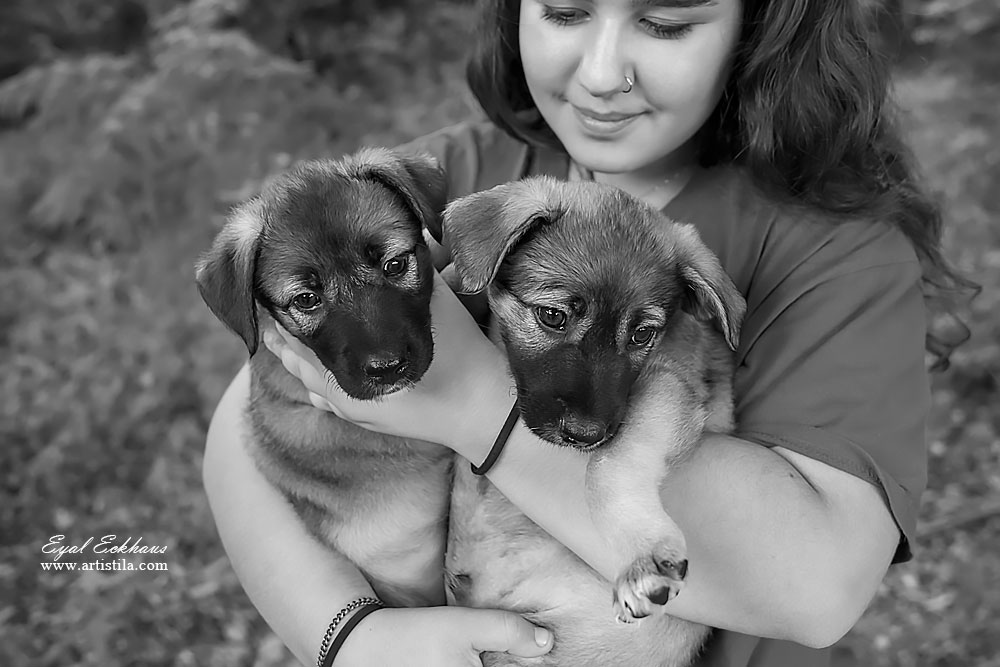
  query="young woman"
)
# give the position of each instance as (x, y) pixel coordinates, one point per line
(762, 122)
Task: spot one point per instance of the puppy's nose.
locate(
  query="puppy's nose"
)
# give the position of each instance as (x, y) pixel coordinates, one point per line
(385, 367)
(580, 431)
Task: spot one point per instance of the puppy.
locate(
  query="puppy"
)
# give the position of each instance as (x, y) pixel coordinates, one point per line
(619, 327)
(334, 251)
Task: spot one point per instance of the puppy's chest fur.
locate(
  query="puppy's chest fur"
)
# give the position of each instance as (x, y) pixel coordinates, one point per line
(376, 499)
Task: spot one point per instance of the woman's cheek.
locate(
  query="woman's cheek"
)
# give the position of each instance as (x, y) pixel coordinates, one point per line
(545, 57)
(694, 79)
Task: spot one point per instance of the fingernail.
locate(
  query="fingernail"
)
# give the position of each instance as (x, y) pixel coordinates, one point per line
(542, 636)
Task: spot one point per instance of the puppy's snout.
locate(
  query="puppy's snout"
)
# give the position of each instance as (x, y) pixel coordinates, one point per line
(385, 368)
(580, 431)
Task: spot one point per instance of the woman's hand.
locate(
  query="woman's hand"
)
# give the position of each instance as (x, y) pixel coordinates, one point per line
(440, 637)
(463, 397)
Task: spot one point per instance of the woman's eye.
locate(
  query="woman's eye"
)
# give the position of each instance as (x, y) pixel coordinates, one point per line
(306, 301)
(563, 15)
(552, 318)
(642, 336)
(396, 265)
(664, 30)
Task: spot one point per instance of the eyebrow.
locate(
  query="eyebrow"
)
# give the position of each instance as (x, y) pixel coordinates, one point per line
(671, 4)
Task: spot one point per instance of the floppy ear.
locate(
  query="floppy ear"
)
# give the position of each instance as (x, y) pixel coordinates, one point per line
(483, 228)
(225, 273)
(417, 177)
(711, 294)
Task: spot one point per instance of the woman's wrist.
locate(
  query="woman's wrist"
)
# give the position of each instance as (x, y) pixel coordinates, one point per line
(357, 648)
(489, 403)
(340, 628)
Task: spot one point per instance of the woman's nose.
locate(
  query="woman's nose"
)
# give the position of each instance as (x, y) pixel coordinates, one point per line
(602, 65)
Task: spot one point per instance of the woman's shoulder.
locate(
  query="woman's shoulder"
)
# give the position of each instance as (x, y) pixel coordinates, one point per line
(767, 240)
(474, 154)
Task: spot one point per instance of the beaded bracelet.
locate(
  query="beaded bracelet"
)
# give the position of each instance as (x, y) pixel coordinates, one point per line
(328, 649)
(498, 444)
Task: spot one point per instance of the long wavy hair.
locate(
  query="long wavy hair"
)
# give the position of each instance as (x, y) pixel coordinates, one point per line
(805, 109)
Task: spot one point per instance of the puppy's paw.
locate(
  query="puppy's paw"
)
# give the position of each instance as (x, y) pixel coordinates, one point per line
(649, 582)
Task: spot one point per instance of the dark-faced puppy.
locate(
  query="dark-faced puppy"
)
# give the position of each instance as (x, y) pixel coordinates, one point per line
(619, 327)
(334, 251)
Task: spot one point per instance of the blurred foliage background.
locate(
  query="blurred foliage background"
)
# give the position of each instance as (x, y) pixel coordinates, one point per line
(127, 129)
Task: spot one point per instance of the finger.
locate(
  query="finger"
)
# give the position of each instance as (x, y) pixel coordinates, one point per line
(308, 367)
(449, 276)
(284, 346)
(283, 332)
(273, 342)
(440, 255)
(320, 402)
(510, 633)
(303, 363)
(279, 348)
(292, 342)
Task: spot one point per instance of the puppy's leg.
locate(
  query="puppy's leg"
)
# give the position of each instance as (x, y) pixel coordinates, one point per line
(623, 484)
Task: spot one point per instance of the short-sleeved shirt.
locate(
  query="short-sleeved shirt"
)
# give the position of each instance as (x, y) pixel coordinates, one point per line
(831, 356)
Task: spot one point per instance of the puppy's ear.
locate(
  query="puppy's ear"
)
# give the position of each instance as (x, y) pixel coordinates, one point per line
(417, 177)
(225, 273)
(710, 293)
(484, 227)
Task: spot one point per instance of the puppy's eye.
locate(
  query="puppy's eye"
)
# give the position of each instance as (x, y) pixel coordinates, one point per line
(396, 266)
(306, 301)
(642, 336)
(552, 318)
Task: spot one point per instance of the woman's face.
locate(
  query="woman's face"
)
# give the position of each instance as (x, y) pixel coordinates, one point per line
(577, 53)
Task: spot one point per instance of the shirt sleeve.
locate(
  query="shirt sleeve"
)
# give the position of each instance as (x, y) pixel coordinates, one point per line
(836, 372)
(474, 155)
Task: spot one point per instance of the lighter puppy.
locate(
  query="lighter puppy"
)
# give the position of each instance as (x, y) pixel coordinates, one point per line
(619, 327)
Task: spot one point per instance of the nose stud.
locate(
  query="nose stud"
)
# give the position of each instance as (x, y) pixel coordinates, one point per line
(628, 84)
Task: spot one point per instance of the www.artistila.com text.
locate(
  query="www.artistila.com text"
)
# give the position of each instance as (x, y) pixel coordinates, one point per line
(119, 565)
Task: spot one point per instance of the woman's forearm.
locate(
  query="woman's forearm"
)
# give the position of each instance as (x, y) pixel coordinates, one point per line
(779, 545)
(776, 549)
(296, 584)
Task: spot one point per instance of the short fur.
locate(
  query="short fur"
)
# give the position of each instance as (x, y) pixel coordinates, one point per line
(337, 230)
(618, 270)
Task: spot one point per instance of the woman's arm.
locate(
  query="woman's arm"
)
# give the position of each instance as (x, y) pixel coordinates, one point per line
(298, 585)
(780, 545)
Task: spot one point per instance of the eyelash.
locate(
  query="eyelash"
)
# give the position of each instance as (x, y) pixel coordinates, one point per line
(667, 30)
(560, 16)
(564, 17)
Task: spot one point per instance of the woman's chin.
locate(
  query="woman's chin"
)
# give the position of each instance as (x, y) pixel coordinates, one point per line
(608, 157)
(603, 159)
(636, 149)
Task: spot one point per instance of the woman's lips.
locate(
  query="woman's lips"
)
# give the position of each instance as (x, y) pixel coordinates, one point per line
(603, 123)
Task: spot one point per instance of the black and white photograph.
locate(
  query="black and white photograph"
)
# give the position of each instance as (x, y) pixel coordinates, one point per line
(500, 333)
